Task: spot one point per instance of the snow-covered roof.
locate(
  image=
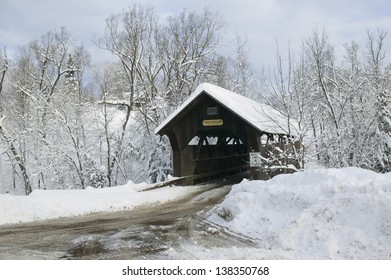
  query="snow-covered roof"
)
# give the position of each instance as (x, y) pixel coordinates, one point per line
(261, 116)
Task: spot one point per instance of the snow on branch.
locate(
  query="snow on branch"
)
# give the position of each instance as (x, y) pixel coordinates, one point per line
(114, 102)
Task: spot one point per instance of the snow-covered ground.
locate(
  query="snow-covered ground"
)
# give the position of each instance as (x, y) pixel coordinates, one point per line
(316, 214)
(52, 204)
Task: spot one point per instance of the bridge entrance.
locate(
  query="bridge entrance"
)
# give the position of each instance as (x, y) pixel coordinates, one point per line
(213, 132)
(218, 151)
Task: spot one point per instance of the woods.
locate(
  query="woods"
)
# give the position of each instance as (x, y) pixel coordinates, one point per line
(67, 123)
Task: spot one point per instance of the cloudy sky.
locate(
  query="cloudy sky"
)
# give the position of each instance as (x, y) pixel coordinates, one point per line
(262, 22)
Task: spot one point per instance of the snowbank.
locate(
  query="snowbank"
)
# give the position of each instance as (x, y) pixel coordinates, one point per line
(316, 214)
(51, 204)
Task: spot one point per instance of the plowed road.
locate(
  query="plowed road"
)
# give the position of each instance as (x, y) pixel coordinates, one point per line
(150, 232)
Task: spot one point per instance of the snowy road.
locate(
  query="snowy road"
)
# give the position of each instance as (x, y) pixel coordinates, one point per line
(170, 230)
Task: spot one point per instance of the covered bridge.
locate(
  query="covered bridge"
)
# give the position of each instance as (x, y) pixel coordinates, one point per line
(217, 132)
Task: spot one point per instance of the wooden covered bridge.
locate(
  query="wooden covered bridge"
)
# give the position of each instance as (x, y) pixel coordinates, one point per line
(216, 133)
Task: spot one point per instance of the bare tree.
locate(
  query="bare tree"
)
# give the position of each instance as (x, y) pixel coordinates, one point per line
(15, 112)
(3, 69)
(286, 90)
(379, 79)
(375, 53)
(13, 152)
(161, 64)
(242, 69)
(106, 84)
(16, 156)
(191, 40)
(129, 36)
(320, 55)
(44, 111)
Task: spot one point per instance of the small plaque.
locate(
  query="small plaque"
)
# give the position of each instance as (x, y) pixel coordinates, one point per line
(215, 122)
(255, 160)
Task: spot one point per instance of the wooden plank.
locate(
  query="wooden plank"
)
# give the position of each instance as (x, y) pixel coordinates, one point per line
(191, 178)
(222, 171)
(164, 184)
(222, 157)
(214, 173)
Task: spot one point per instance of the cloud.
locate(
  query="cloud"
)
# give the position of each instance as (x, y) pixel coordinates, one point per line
(264, 22)
(261, 22)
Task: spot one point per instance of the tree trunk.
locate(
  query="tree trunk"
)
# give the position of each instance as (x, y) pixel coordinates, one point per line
(19, 159)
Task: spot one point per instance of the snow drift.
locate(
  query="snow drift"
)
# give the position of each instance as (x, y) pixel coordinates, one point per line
(316, 214)
(52, 204)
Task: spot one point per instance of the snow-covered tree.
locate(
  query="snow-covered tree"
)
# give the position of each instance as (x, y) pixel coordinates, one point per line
(4, 65)
(160, 64)
(242, 76)
(42, 109)
(159, 164)
(337, 104)
(190, 41)
(55, 134)
(383, 132)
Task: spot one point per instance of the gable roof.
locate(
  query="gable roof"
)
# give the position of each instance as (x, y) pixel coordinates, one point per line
(261, 116)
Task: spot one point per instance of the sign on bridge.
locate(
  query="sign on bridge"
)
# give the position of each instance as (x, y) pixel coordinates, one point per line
(255, 159)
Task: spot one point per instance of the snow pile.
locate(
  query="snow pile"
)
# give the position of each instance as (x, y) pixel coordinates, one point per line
(316, 214)
(51, 204)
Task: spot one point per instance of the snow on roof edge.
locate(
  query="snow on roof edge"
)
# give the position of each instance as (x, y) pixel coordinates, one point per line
(188, 101)
(263, 117)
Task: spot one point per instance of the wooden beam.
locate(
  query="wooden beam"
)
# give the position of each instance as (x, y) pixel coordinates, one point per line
(191, 178)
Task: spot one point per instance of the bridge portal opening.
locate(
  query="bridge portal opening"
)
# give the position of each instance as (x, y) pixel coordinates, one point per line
(214, 131)
(217, 150)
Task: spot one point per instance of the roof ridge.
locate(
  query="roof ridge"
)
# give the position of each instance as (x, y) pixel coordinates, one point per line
(261, 116)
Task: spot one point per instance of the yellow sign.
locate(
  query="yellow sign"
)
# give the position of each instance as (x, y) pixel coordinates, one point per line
(216, 122)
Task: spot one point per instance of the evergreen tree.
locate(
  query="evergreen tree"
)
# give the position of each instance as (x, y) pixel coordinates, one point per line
(383, 132)
(70, 72)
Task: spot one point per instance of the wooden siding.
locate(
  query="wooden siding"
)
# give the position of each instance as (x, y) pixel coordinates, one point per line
(205, 118)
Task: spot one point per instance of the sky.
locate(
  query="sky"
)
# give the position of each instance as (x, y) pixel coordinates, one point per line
(261, 22)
